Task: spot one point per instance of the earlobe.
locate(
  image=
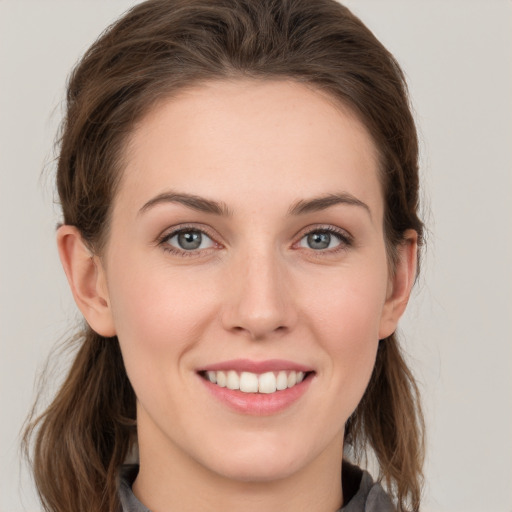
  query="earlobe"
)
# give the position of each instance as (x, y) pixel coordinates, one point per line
(400, 284)
(86, 279)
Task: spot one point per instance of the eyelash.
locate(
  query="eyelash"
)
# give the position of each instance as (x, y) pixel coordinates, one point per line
(164, 239)
(344, 238)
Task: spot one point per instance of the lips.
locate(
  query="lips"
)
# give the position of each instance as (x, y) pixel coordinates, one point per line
(248, 365)
(257, 387)
(249, 382)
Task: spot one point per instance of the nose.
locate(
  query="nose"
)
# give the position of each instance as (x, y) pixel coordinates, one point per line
(260, 303)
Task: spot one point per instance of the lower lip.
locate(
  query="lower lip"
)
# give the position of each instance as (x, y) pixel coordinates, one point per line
(258, 404)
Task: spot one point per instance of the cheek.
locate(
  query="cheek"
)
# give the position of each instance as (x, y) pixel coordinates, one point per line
(350, 305)
(157, 312)
(159, 318)
(346, 319)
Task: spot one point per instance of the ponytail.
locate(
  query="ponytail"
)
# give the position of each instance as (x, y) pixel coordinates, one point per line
(84, 435)
(389, 419)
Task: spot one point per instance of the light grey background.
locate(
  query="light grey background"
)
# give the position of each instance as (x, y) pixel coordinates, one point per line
(457, 56)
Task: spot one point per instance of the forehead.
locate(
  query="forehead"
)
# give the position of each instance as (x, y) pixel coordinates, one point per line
(250, 139)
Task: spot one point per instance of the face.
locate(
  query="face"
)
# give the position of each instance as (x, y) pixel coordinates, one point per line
(246, 277)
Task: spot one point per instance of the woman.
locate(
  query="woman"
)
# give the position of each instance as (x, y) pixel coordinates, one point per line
(239, 187)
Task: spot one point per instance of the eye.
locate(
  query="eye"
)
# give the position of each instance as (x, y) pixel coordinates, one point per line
(188, 240)
(323, 239)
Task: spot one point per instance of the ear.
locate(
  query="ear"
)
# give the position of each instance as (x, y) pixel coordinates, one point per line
(400, 284)
(86, 279)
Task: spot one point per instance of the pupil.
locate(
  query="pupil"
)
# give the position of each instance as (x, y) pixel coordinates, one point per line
(189, 240)
(319, 240)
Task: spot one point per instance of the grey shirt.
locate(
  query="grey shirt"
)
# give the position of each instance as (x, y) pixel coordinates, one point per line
(360, 492)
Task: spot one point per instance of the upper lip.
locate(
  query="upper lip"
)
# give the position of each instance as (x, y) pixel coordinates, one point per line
(248, 365)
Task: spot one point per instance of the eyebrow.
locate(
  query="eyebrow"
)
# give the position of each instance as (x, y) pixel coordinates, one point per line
(322, 203)
(301, 207)
(198, 203)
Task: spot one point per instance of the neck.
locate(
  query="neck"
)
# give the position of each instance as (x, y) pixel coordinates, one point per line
(178, 482)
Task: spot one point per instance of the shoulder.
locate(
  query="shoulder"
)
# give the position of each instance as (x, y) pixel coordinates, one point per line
(361, 493)
(129, 503)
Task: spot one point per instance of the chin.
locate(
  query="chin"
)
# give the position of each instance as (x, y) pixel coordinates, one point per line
(259, 461)
(258, 469)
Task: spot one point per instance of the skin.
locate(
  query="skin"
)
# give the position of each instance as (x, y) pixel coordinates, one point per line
(255, 290)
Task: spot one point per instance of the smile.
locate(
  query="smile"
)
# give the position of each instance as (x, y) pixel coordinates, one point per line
(248, 382)
(258, 388)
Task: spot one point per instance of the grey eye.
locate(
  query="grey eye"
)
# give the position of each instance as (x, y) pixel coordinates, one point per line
(319, 240)
(190, 240)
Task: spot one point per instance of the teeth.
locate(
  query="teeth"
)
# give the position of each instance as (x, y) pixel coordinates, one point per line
(282, 381)
(232, 380)
(267, 383)
(221, 379)
(248, 382)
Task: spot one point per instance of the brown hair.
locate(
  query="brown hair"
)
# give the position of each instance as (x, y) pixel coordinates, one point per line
(154, 50)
